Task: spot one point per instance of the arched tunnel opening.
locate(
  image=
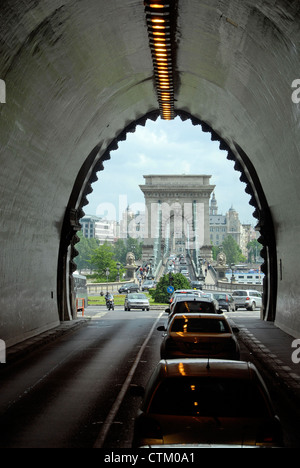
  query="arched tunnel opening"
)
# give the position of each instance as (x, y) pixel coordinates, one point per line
(88, 175)
(77, 76)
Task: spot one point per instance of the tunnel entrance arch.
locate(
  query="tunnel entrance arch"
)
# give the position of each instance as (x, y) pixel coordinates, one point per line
(88, 176)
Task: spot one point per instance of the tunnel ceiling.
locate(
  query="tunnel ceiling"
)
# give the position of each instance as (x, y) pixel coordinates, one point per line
(78, 73)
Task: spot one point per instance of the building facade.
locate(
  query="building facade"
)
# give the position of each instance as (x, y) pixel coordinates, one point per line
(176, 216)
(223, 225)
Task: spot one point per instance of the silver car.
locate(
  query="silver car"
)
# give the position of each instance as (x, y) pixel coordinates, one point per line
(249, 299)
(136, 301)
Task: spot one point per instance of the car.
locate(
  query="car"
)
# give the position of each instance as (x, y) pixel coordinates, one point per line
(212, 297)
(203, 335)
(136, 301)
(148, 284)
(179, 292)
(129, 287)
(225, 301)
(208, 402)
(249, 299)
(194, 305)
(197, 285)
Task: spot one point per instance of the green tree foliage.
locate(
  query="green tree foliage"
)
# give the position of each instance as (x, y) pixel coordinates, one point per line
(254, 250)
(161, 295)
(92, 256)
(86, 249)
(102, 259)
(232, 251)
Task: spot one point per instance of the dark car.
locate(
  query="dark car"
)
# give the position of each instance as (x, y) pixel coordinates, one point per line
(215, 402)
(199, 336)
(225, 301)
(197, 285)
(128, 288)
(187, 305)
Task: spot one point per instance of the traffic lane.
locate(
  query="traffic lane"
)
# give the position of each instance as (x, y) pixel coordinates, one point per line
(121, 433)
(71, 384)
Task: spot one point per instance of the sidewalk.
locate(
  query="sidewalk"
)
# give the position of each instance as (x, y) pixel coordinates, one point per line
(272, 348)
(19, 350)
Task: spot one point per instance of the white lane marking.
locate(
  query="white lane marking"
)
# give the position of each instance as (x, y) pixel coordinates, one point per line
(116, 406)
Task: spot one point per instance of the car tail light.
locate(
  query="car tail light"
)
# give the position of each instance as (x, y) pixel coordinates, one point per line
(247, 298)
(270, 434)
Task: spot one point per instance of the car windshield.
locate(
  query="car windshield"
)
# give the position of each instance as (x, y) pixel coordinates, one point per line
(198, 325)
(136, 296)
(194, 306)
(209, 397)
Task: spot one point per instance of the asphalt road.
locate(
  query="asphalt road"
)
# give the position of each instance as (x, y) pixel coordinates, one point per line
(75, 391)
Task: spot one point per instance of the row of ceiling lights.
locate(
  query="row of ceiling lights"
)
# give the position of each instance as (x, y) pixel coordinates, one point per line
(159, 29)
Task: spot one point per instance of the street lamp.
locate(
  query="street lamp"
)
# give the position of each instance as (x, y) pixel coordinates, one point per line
(232, 265)
(118, 268)
(107, 275)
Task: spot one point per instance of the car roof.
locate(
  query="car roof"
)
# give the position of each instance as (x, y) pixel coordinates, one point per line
(182, 291)
(185, 298)
(205, 367)
(135, 293)
(200, 316)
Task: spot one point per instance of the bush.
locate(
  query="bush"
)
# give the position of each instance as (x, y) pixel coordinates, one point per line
(161, 295)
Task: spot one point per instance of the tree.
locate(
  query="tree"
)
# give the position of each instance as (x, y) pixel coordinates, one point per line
(254, 249)
(103, 259)
(86, 249)
(178, 281)
(232, 251)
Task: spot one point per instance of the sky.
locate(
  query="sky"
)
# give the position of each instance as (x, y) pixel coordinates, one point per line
(166, 147)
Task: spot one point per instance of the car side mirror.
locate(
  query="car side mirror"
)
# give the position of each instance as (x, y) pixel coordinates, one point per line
(168, 310)
(161, 329)
(235, 330)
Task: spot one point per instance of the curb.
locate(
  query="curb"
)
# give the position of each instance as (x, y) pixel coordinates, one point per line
(278, 370)
(21, 349)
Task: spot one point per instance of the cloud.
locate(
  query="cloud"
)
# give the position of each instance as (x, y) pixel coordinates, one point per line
(169, 148)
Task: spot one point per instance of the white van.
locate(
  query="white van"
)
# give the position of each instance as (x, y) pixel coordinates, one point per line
(249, 299)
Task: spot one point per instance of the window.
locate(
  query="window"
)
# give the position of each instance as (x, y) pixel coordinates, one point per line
(199, 325)
(196, 396)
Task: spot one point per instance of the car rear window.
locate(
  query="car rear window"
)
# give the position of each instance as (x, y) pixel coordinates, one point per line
(194, 306)
(137, 296)
(220, 297)
(209, 397)
(240, 293)
(198, 325)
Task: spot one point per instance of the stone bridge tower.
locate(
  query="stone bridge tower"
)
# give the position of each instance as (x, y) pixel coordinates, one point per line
(177, 216)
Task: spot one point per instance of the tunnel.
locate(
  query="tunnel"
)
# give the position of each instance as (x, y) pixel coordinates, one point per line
(77, 76)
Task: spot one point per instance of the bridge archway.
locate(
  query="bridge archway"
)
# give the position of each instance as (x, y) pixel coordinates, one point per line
(79, 75)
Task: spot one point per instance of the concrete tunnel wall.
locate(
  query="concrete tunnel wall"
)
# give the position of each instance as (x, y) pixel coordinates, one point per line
(77, 73)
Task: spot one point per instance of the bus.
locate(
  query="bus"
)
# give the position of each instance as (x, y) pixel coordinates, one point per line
(80, 287)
